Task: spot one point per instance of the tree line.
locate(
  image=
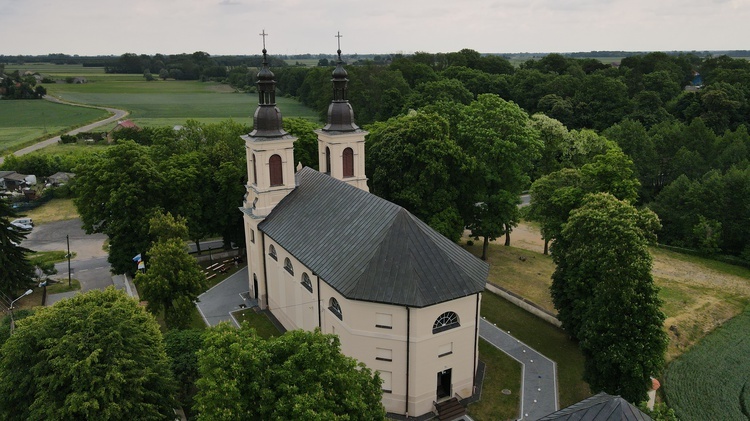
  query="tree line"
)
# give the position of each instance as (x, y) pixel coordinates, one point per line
(102, 356)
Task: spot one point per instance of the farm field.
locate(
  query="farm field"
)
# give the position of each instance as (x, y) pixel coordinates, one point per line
(24, 121)
(710, 381)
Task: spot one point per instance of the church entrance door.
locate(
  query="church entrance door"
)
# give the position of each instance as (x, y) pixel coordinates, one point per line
(444, 383)
(255, 286)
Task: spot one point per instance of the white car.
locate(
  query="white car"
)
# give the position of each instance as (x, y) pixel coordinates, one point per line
(23, 221)
(22, 227)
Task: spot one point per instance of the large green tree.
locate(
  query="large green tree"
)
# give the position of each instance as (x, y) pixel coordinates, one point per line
(173, 279)
(117, 192)
(299, 375)
(605, 295)
(16, 272)
(414, 163)
(96, 356)
(499, 136)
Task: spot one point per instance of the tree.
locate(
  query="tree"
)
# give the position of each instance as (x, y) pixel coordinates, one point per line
(163, 74)
(173, 279)
(605, 295)
(552, 198)
(306, 145)
(499, 136)
(117, 192)
(414, 163)
(299, 375)
(182, 348)
(16, 271)
(95, 356)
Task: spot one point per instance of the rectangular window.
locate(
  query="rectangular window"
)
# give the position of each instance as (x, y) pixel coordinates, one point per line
(387, 380)
(252, 236)
(384, 321)
(382, 354)
(446, 349)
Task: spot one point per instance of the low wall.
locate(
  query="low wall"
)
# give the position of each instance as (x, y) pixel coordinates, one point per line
(525, 304)
(216, 255)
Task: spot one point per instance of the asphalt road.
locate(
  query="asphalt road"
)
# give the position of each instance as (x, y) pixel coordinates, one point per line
(117, 115)
(90, 264)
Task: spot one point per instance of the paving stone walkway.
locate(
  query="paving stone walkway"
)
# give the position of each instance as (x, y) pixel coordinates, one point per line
(216, 304)
(539, 377)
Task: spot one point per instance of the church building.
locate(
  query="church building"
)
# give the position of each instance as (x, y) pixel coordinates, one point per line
(325, 253)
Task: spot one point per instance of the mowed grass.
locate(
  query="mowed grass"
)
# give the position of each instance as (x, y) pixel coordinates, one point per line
(501, 372)
(258, 321)
(24, 121)
(549, 340)
(711, 380)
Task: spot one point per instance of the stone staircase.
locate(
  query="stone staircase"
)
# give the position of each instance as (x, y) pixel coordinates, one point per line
(450, 410)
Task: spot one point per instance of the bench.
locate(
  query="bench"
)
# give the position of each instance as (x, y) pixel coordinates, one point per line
(211, 276)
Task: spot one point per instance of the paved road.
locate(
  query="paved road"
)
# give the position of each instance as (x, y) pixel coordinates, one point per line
(539, 383)
(117, 115)
(216, 303)
(90, 265)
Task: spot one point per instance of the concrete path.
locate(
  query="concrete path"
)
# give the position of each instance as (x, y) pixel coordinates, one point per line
(216, 303)
(116, 115)
(539, 374)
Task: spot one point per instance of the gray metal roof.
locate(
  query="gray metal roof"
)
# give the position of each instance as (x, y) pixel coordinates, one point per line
(370, 249)
(600, 407)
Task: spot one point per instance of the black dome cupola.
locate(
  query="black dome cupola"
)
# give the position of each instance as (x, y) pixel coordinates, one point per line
(267, 120)
(340, 112)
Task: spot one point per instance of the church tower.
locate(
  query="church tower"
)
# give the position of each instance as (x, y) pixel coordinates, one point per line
(341, 144)
(270, 171)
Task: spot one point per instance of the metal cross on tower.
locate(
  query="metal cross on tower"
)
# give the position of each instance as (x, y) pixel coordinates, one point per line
(338, 36)
(264, 35)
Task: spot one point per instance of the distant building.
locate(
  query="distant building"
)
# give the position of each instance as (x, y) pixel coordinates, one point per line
(121, 125)
(11, 180)
(59, 178)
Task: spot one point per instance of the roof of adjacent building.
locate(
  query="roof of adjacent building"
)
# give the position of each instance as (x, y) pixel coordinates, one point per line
(370, 249)
(600, 407)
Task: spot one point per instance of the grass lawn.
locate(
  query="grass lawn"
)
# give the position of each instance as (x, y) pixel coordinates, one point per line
(53, 211)
(35, 298)
(545, 338)
(22, 122)
(259, 321)
(501, 372)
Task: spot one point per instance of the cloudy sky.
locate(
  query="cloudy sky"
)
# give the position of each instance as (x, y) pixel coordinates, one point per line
(93, 27)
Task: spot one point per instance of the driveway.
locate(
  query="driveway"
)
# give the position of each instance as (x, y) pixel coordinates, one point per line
(216, 304)
(90, 264)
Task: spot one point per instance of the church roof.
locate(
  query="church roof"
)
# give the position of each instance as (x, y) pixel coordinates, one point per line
(370, 249)
(600, 407)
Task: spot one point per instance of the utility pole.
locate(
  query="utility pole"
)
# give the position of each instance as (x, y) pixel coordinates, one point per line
(67, 239)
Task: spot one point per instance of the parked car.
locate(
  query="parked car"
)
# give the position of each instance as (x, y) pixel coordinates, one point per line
(23, 221)
(22, 227)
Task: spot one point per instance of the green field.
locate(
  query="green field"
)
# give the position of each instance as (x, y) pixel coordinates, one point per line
(23, 121)
(170, 102)
(711, 380)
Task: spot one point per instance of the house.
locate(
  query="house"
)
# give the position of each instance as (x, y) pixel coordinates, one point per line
(325, 253)
(60, 178)
(600, 407)
(11, 180)
(121, 125)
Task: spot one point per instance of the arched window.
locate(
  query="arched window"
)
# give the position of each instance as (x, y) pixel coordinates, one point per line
(255, 171)
(274, 166)
(288, 266)
(272, 252)
(306, 282)
(333, 305)
(445, 321)
(348, 163)
(328, 161)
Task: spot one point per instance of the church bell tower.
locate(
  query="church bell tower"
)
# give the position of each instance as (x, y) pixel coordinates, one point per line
(270, 173)
(341, 143)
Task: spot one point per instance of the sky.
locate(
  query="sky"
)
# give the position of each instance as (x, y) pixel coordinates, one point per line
(229, 27)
